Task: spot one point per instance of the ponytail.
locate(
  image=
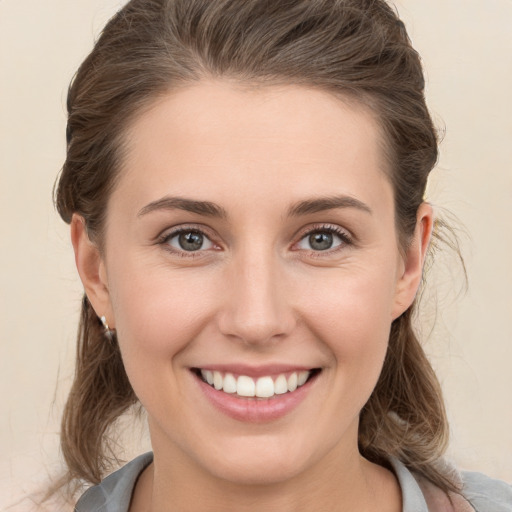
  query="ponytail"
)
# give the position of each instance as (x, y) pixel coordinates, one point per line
(100, 393)
(405, 416)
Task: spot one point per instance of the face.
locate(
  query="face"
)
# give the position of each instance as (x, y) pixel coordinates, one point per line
(250, 249)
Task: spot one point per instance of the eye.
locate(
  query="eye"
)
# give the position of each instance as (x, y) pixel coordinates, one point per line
(189, 241)
(323, 239)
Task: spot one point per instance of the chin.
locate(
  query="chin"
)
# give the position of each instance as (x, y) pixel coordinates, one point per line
(254, 464)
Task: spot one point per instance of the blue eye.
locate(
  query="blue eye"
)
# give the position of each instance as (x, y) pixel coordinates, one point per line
(189, 241)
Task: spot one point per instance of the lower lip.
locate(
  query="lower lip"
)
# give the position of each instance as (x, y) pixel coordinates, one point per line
(255, 410)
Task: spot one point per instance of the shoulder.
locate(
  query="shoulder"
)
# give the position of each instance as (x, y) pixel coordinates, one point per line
(113, 494)
(479, 492)
(486, 494)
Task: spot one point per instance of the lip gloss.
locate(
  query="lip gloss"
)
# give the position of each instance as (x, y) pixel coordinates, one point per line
(255, 410)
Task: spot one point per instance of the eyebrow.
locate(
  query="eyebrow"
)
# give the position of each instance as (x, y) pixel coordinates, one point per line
(210, 209)
(321, 204)
(206, 208)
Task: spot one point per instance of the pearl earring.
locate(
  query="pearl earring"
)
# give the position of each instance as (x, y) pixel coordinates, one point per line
(108, 331)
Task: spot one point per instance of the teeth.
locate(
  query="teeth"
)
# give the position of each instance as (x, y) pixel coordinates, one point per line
(245, 386)
(230, 385)
(218, 381)
(281, 385)
(302, 378)
(292, 382)
(208, 376)
(264, 387)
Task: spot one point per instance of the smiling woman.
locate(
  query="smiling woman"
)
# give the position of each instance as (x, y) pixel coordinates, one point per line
(292, 268)
(244, 183)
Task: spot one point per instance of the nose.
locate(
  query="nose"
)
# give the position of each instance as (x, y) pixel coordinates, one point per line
(256, 310)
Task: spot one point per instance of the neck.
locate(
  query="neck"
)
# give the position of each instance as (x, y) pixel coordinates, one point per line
(354, 484)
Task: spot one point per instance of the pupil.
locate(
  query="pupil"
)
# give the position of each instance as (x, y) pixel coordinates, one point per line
(191, 241)
(321, 241)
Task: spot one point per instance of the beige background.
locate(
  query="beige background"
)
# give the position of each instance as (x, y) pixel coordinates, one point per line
(467, 49)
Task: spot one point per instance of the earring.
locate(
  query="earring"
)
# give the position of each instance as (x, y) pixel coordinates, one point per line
(108, 331)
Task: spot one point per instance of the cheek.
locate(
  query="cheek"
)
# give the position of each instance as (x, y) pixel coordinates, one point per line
(158, 314)
(158, 317)
(351, 316)
(350, 305)
(357, 336)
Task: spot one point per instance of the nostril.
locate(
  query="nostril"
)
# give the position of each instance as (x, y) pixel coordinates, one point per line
(253, 329)
(255, 310)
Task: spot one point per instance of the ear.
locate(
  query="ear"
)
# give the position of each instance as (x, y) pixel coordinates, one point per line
(413, 260)
(91, 268)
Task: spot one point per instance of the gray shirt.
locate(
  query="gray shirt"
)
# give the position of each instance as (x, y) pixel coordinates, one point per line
(485, 494)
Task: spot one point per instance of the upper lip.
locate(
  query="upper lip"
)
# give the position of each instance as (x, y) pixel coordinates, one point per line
(255, 371)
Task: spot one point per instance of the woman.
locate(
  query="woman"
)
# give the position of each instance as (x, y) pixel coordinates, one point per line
(244, 183)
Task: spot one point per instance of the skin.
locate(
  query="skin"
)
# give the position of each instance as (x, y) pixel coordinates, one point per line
(259, 293)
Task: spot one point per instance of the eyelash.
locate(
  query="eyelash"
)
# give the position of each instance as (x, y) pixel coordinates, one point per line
(344, 236)
(164, 241)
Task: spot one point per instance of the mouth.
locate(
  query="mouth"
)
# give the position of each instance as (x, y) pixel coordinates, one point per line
(262, 387)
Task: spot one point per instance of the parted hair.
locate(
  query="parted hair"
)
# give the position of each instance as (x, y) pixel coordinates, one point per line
(356, 49)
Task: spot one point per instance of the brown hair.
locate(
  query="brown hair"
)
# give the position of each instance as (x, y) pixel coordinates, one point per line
(356, 48)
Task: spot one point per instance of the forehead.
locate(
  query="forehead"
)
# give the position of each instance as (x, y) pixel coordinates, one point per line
(222, 138)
